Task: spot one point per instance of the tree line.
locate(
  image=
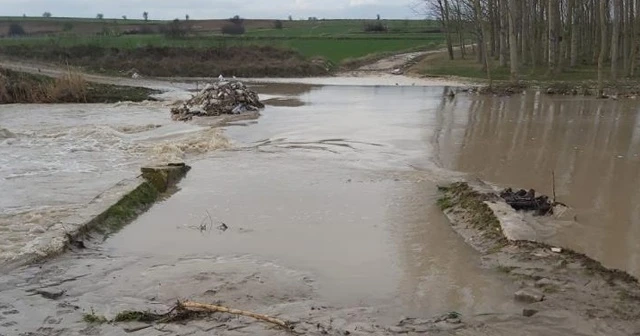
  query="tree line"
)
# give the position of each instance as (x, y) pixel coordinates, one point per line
(556, 34)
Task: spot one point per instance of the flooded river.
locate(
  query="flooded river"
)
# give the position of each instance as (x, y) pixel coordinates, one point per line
(592, 146)
(335, 185)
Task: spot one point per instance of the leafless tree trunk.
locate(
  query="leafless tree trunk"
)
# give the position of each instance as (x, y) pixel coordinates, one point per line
(627, 36)
(603, 37)
(483, 32)
(513, 43)
(524, 32)
(615, 36)
(573, 21)
(554, 36)
(504, 54)
(636, 42)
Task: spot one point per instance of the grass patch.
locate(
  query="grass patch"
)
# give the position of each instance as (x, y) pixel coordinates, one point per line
(445, 203)
(137, 316)
(481, 217)
(333, 48)
(440, 65)
(128, 208)
(505, 269)
(19, 87)
(94, 318)
(241, 61)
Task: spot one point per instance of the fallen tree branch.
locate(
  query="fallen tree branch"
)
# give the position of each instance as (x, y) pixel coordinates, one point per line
(189, 305)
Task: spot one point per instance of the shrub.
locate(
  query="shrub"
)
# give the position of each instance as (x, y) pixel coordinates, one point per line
(237, 20)
(277, 24)
(233, 29)
(375, 27)
(174, 30)
(16, 30)
(67, 26)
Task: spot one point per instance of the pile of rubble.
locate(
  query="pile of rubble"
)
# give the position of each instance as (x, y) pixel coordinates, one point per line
(527, 201)
(223, 97)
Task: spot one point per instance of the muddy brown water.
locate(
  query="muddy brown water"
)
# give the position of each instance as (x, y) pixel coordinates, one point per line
(592, 146)
(332, 200)
(329, 188)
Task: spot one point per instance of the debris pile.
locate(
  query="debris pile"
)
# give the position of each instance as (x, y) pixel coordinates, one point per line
(218, 98)
(527, 200)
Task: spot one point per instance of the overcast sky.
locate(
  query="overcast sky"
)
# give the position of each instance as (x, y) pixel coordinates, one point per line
(204, 9)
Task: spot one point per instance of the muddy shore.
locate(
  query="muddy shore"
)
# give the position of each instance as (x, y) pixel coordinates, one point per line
(552, 280)
(24, 88)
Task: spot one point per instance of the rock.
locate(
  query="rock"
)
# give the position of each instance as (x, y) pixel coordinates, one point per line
(396, 72)
(162, 177)
(556, 250)
(529, 312)
(50, 294)
(529, 295)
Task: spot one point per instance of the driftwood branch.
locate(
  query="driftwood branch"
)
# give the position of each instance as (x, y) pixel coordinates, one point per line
(553, 185)
(189, 305)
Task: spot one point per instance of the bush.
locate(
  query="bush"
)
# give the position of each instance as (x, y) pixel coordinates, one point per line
(67, 26)
(233, 29)
(237, 20)
(375, 27)
(174, 30)
(277, 24)
(16, 30)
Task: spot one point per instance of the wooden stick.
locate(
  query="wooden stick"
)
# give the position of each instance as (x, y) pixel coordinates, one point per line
(553, 184)
(213, 308)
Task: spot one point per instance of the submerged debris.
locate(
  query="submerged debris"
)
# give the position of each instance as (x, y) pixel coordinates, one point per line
(219, 98)
(527, 200)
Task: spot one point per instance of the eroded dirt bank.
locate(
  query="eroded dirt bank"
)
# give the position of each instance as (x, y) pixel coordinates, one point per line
(553, 281)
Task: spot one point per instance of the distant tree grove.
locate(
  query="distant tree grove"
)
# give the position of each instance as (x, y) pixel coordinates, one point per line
(551, 33)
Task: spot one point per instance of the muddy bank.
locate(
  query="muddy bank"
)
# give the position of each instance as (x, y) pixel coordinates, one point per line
(240, 61)
(24, 88)
(552, 279)
(620, 89)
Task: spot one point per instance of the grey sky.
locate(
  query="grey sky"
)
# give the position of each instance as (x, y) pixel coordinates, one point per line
(202, 9)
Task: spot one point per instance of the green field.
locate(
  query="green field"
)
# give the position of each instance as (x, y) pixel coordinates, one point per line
(334, 40)
(75, 20)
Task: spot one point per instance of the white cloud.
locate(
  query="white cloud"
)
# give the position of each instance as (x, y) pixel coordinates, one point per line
(204, 9)
(354, 3)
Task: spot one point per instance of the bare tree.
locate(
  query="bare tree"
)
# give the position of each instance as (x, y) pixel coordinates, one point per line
(615, 38)
(482, 33)
(502, 13)
(145, 15)
(513, 43)
(573, 21)
(46, 14)
(603, 37)
(554, 36)
(99, 16)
